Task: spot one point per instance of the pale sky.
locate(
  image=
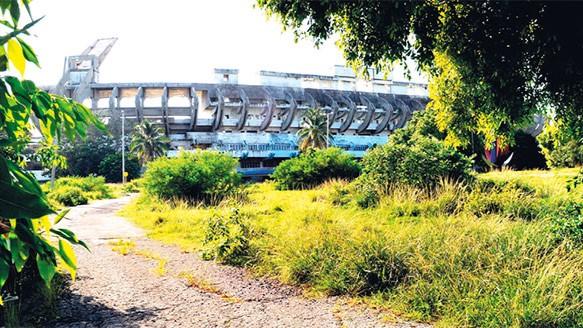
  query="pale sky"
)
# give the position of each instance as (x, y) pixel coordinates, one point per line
(171, 40)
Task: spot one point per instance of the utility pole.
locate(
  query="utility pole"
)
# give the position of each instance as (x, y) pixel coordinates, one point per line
(123, 147)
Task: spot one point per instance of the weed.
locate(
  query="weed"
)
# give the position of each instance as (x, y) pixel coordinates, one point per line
(123, 247)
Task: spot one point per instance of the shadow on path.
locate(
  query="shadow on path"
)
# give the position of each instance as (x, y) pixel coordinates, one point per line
(85, 311)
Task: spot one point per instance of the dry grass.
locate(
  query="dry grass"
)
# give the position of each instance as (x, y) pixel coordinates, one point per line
(206, 286)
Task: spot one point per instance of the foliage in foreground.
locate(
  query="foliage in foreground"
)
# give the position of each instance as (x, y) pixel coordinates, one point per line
(314, 167)
(428, 255)
(27, 231)
(201, 176)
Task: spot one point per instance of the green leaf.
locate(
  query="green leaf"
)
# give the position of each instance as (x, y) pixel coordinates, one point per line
(14, 33)
(68, 255)
(19, 252)
(18, 202)
(15, 11)
(4, 272)
(27, 6)
(46, 269)
(70, 236)
(60, 216)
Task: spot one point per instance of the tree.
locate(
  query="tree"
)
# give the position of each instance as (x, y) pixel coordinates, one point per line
(313, 133)
(493, 64)
(84, 156)
(110, 167)
(27, 234)
(148, 142)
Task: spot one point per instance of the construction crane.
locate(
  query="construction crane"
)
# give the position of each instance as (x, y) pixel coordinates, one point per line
(82, 70)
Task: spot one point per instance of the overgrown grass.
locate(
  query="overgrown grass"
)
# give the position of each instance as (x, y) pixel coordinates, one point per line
(480, 256)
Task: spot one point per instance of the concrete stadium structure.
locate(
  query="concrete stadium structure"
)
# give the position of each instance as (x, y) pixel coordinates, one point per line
(256, 123)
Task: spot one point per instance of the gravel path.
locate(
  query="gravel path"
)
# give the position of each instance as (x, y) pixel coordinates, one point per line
(157, 285)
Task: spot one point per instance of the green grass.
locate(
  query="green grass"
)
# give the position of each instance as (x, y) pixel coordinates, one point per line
(459, 256)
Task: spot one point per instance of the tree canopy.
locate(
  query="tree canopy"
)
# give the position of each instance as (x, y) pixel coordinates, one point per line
(493, 64)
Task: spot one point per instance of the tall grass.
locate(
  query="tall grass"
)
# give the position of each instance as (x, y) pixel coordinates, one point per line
(440, 256)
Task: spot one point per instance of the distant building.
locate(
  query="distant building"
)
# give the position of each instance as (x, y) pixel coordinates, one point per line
(256, 123)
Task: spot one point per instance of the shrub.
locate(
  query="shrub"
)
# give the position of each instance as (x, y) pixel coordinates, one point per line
(205, 176)
(133, 186)
(93, 187)
(419, 162)
(561, 147)
(69, 196)
(227, 240)
(315, 167)
(110, 167)
(567, 223)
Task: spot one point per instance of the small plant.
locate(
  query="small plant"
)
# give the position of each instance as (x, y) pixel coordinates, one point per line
(123, 247)
(202, 176)
(315, 167)
(133, 186)
(69, 196)
(228, 240)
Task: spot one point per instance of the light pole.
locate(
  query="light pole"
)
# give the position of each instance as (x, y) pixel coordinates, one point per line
(123, 147)
(327, 129)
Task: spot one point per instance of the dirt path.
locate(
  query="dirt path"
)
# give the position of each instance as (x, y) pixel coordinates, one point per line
(159, 286)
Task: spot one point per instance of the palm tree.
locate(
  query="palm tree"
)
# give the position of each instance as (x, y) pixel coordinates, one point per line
(313, 133)
(148, 142)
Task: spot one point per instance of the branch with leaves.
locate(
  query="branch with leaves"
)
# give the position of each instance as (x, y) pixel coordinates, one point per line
(27, 231)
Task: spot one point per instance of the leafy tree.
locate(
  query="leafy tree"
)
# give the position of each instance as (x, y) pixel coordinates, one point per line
(148, 142)
(493, 64)
(27, 233)
(110, 167)
(313, 133)
(84, 156)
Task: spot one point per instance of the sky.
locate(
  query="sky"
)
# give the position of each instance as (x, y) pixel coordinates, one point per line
(171, 40)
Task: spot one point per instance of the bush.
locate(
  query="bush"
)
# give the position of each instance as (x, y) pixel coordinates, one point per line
(110, 167)
(69, 196)
(133, 186)
(561, 147)
(227, 240)
(315, 167)
(93, 187)
(567, 223)
(202, 176)
(420, 162)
